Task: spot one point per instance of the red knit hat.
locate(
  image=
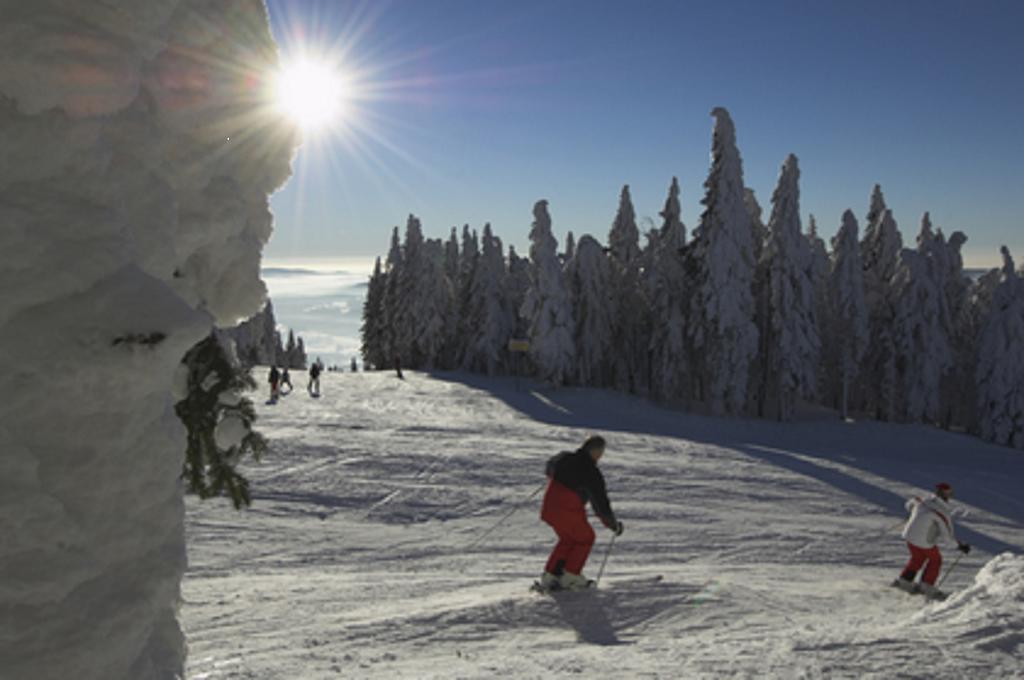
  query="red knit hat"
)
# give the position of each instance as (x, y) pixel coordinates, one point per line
(943, 486)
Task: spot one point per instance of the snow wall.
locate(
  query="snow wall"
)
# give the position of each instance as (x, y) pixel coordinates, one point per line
(137, 152)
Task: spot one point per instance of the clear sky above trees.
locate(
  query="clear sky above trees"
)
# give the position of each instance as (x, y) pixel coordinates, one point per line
(472, 111)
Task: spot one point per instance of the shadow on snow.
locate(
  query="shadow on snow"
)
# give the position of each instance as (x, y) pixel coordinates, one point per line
(984, 475)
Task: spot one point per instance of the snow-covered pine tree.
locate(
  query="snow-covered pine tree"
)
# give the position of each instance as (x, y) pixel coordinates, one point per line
(463, 301)
(630, 333)
(1000, 373)
(957, 393)
(451, 257)
(758, 230)
(570, 248)
(879, 252)
(624, 237)
(373, 328)
(720, 328)
(256, 338)
(819, 253)
(432, 310)
(588, 276)
(454, 344)
(667, 293)
(923, 352)
(762, 293)
(546, 307)
(846, 326)
(820, 266)
(411, 282)
(469, 257)
(673, 231)
(391, 348)
(876, 209)
(790, 332)
(272, 338)
(973, 318)
(280, 355)
(491, 317)
(289, 350)
(300, 354)
(519, 284)
(218, 420)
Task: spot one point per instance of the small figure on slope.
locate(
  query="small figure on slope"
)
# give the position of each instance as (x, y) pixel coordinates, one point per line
(398, 367)
(574, 479)
(313, 386)
(273, 379)
(286, 380)
(930, 523)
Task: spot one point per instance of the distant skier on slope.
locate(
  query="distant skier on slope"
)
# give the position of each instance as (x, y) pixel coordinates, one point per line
(286, 380)
(313, 386)
(273, 379)
(931, 522)
(574, 479)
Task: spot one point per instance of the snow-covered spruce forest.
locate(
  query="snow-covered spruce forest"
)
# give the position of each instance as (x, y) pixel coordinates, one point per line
(742, 316)
(258, 342)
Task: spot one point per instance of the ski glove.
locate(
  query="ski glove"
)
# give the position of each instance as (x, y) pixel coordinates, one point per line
(618, 528)
(964, 548)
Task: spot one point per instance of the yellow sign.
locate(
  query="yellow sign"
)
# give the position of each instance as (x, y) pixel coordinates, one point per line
(519, 345)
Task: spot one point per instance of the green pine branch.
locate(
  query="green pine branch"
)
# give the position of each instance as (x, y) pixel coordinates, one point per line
(210, 471)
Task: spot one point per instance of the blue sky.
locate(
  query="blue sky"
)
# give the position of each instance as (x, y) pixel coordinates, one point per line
(474, 109)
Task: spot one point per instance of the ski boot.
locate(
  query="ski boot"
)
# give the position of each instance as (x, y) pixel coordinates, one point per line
(570, 581)
(932, 593)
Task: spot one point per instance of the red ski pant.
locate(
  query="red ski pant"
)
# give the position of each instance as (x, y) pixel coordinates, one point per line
(918, 557)
(565, 513)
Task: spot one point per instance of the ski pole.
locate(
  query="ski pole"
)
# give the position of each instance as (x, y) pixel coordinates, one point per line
(504, 517)
(605, 560)
(896, 526)
(950, 570)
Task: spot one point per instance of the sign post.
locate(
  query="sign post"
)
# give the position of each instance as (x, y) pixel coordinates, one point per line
(518, 346)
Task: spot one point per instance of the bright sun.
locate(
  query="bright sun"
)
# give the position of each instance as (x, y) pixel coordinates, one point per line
(310, 93)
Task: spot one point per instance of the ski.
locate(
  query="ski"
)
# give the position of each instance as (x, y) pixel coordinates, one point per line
(537, 587)
(935, 596)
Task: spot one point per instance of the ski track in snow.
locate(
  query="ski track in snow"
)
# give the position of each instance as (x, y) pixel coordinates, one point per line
(776, 543)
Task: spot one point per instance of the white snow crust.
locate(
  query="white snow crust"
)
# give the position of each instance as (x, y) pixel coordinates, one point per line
(990, 612)
(137, 159)
(775, 543)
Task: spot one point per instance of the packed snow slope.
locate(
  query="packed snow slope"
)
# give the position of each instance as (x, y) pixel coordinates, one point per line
(362, 558)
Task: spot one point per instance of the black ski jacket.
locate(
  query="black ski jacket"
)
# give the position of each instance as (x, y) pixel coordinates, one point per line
(578, 471)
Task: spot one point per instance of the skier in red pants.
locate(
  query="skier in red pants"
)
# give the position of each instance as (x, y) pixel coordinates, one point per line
(930, 522)
(574, 479)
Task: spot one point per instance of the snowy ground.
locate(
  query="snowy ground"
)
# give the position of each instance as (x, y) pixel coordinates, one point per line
(775, 543)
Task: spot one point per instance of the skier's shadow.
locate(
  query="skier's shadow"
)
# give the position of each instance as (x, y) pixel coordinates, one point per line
(586, 613)
(598, 616)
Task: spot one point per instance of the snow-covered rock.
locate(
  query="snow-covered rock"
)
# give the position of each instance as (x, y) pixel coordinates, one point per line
(138, 153)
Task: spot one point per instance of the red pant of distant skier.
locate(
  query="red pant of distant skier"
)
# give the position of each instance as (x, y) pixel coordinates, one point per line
(918, 557)
(564, 511)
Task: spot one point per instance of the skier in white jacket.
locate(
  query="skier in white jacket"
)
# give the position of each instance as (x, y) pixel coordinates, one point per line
(930, 523)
